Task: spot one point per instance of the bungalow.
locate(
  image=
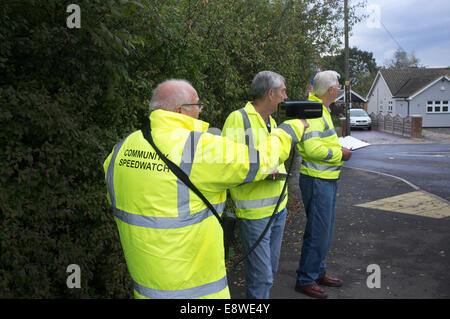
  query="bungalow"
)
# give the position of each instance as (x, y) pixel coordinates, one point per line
(413, 91)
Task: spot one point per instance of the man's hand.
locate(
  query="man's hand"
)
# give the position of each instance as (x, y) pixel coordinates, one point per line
(305, 124)
(346, 154)
(273, 175)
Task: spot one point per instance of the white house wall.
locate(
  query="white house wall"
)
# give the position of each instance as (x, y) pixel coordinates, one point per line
(379, 98)
(418, 105)
(400, 107)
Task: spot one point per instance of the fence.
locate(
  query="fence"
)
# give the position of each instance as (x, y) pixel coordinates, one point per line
(410, 126)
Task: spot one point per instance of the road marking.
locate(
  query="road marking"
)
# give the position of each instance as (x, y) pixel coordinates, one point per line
(386, 174)
(423, 154)
(414, 203)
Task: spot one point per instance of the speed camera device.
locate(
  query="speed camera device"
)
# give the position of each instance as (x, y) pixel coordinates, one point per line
(301, 109)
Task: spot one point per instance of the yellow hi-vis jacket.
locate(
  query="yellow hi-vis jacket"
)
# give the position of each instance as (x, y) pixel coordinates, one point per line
(319, 147)
(173, 244)
(258, 199)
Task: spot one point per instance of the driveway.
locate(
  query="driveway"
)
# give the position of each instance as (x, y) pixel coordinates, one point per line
(430, 135)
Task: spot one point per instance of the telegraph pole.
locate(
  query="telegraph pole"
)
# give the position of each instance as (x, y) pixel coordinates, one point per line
(347, 76)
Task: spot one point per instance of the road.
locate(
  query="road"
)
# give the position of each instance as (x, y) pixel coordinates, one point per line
(377, 223)
(425, 165)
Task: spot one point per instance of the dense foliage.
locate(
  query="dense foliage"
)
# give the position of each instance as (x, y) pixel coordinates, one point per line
(68, 95)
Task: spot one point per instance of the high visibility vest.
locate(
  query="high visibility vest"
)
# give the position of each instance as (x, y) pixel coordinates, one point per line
(319, 147)
(258, 199)
(173, 244)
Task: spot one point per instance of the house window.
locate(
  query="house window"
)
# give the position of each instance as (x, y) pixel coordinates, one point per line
(437, 107)
(390, 107)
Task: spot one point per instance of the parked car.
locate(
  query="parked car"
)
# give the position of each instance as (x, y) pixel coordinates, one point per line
(360, 119)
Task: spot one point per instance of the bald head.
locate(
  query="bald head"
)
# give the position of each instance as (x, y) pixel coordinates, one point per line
(172, 93)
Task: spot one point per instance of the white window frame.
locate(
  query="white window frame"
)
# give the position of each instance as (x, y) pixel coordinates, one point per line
(434, 105)
(390, 106)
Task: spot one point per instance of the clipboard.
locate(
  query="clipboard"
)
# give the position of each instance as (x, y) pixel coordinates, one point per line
(352, 143)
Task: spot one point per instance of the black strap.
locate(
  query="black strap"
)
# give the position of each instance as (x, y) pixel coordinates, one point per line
(146, 131)
(280, 199)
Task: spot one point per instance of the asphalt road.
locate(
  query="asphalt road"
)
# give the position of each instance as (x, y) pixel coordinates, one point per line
(411, 250)
(425, 165)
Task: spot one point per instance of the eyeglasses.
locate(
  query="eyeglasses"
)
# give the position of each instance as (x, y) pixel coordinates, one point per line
(199, 105)
(339, 87)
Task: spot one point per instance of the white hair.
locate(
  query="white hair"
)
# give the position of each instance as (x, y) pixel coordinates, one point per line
(264, 81)
(323, 81)
(178, 95)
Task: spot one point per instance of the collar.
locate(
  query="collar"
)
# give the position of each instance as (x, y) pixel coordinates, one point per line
(250, 109)
(312, 97)
(161, 119)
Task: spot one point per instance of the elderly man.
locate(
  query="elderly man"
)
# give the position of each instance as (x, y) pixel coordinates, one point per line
(173, 245)
(322, 158)
(255, 202)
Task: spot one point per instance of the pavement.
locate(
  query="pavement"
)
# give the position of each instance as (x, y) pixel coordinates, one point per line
(429, 135)
(380, 220)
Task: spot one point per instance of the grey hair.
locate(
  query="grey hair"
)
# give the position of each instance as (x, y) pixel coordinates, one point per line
(264, 81)
(323, 81)
(168, 102)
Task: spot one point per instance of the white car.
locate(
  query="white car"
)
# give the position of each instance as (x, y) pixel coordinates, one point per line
(360, 119)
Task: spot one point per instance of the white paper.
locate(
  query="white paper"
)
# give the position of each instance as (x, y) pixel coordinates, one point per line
(352, 143)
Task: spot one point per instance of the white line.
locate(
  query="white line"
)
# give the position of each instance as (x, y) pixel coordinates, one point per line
(417, 188)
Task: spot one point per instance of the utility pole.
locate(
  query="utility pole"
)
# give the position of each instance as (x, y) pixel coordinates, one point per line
(347, 95)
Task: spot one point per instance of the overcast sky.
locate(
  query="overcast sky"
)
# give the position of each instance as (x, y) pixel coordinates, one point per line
(419, 26)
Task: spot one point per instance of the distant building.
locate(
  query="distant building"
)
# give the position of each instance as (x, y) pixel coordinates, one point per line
(357, 102)
(414, 91)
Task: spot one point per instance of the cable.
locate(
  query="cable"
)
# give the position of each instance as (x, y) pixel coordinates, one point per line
(390, 34)
(273, 214)
(399, 46)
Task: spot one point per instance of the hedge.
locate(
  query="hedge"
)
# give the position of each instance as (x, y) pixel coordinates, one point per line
(68, 95)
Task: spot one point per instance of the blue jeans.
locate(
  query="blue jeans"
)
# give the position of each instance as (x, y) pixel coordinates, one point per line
(319, 199)
(262, 264)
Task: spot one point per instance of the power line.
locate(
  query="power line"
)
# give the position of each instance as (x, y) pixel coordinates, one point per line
(393, 38)
(390, 34)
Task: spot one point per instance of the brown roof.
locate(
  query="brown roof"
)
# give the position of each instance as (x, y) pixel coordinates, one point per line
(404, 83)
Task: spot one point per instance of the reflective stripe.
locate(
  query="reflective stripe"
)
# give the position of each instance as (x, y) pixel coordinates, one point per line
(288, 129)
(185, 218)
(110, 173)
(326, 123)
(187, 159)
(329, 155)
(257, 203)
(247, 127)
(319, 167)
(253, 153)
(166, 222)
(194, 292)
(326, 133)
(254, 165)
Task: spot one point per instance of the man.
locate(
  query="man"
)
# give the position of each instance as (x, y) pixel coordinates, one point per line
(173, 244)
(322, 158)
(255, 202)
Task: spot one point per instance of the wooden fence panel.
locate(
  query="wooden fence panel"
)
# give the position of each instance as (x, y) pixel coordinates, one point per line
(380, 120)
(397, 125)
(374, 119)
(407, 126)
